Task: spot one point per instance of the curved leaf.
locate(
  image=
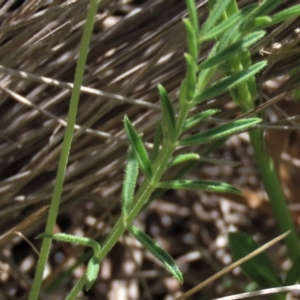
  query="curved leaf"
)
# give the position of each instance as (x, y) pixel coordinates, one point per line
(182, 158)
(194, 120)
(168, 115)
(138, 148)
(157, 251)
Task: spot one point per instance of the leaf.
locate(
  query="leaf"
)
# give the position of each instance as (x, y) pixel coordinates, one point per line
(131, 174)
(138, 148)
(183, 94)
(219, 132)
(199, 185)
(192, 68)
(157, 141)
(194, 120)
(192, 42)
(293, 274)
(259, 268)
(73, 239)
(193, 15)
(286, 14)
(168, 115)
(262, 9)
(232, 50)
(225, 25)
(229, 82)
(92, 271)
(183, 158)
(157, 251)
(214, 15)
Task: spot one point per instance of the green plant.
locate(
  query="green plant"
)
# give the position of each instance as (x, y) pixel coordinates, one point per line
(173, 131)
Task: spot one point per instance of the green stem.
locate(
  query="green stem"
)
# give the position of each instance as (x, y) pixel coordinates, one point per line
(66, 145)
(244, 97)
(274, 190)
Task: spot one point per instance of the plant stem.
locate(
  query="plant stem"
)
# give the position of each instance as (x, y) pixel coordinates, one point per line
(274, 190)
(66, 145)
(244, 97)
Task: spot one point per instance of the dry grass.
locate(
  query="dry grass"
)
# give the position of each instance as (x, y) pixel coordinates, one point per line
(135, 46)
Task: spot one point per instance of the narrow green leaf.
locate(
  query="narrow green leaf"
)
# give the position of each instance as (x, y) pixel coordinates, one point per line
(182, 158)
(73, 239)
(219, 132)
(138, 148)
(259, 268)
(214, 15)
(192, 68)
(157, 141)
(194, 120)
(286, 14)
(183, 94)
(131, 174)
(225, 25)
(232, 50)
(293, 274)
(168, 115)
(199, 185)
(229, 82)
(192, 42)
(92, 271)
(262, 9)
(157, 251)
(193, 14)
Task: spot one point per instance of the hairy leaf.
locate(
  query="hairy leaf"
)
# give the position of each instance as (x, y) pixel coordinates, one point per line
(138, 148)
(191, 66)
(199, 185)
(232, 50)
(194, 120)
(219, 132)
(229, 82)
(182, 158)
(92, 271)
(157, 141)
(192, 42)
(214, 15)
(286, 14)
(168, 115)
(225, 25)
(131, 173)
(73, 239)
(157, 251)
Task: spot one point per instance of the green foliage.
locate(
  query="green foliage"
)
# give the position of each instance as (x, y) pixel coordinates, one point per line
(235, 31)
